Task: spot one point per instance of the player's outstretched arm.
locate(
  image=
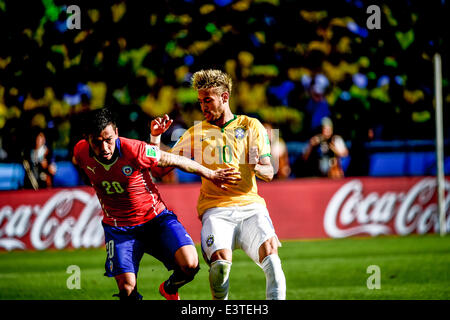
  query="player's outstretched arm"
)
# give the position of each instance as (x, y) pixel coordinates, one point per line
(220, 177)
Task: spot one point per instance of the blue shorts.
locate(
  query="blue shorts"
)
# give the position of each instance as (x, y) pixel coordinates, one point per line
(160, 237)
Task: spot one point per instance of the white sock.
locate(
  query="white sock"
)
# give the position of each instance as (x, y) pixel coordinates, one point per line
(275, 280)
(218, 279)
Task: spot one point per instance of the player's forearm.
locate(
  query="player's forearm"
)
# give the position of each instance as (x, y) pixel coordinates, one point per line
(264, 172)
(155, 140)
(159, 172)
(185, 164)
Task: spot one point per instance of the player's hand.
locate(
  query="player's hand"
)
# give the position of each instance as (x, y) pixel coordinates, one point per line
(160, 125)
(224, 177)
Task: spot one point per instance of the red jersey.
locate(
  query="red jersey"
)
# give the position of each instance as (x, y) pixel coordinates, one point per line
(124, 188)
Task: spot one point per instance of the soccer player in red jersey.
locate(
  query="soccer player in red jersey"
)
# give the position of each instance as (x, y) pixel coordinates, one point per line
(136, 220)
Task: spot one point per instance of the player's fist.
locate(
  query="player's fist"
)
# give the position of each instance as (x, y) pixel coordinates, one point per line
(159, 125)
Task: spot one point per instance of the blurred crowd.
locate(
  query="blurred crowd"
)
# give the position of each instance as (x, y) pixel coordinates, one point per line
(293, 63)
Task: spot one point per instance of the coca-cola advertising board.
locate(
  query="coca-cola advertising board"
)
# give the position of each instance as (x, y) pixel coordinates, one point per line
(300, 208)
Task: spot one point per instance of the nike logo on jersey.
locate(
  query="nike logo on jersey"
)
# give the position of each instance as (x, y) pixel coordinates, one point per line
(92, 169)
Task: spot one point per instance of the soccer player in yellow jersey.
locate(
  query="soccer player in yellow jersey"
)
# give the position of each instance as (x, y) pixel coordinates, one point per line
(233, 216)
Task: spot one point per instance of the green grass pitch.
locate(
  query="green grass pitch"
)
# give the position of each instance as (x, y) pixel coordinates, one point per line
(411, 267)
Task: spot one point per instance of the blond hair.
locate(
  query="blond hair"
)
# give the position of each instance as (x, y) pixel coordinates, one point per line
(205, 79)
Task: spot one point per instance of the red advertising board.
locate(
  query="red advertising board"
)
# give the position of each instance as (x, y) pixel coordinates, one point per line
(301, 208)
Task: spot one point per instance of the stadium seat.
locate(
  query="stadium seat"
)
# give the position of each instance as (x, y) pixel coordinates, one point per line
(12, 176)
(433, 170)
(421, 163)
(66, 175)
(295, 150)
(388, 164)
(61, 154)
(345, 162)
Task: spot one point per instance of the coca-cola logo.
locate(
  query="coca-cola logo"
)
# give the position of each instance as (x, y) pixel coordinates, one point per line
(350, 212)
(55, 223)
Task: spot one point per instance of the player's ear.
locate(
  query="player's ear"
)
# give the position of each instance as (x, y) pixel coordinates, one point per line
(225, 96)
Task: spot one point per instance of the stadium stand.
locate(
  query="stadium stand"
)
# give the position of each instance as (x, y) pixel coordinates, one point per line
(66, 175)
(12, 176)
(420, 163)
(393, 164)
(388, 164)
(138, 58)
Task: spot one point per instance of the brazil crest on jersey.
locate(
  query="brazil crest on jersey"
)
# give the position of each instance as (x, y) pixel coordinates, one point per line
(226, 147)
(124, 188)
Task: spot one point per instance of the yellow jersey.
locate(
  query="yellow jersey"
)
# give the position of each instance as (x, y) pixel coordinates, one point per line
(226, 147)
